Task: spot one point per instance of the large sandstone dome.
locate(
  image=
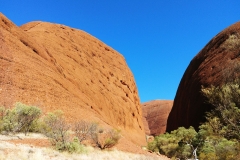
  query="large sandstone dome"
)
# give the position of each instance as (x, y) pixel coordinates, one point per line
(155, 114)
(218, 62)
(57, 67)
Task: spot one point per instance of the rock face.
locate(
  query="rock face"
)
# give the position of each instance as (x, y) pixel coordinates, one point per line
(218, 62)
(155, 114)
(57, 67)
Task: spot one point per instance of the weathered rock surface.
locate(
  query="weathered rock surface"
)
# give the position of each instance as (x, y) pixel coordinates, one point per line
(155, 114)
(60, 68)
(217, 63)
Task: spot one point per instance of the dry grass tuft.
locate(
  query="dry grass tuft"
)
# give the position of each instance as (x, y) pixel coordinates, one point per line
(233, 42)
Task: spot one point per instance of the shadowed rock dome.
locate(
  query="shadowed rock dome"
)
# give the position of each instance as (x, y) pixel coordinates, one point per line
(217, 63)
(155, 114)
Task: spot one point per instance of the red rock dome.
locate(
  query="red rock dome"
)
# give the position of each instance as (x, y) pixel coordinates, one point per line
(57, 67)
(218, 62)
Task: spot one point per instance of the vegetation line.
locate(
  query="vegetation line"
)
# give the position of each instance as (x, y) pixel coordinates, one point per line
(63, 136)
(217, 139)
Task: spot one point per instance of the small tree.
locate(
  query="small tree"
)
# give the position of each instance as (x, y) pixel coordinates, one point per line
(57, 130)
(25, 116)
(226, 101)
(221, 133)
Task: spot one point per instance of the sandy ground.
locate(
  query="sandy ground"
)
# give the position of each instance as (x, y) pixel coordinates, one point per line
(37, 147)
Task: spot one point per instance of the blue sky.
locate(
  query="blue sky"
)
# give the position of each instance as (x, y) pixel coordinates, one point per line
(158, 38)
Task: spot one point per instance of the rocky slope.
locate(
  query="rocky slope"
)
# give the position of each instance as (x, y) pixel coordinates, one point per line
(155, 114)
(57, 67)
(218, 62)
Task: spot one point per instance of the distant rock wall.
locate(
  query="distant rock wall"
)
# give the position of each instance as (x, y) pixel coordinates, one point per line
(155, 114)
(218, 62)
(57, 67)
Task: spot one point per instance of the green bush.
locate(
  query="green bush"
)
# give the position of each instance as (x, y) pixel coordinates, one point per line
(57, 130)
(10, 121)
(181, 143)
(22, 118)
(177, 144)
(218, 138)
(2, 115)
(2, 112)
(112, 138)
(75, 146)
(91, 131)
(106, 138)
(220, 149)
(27, 116)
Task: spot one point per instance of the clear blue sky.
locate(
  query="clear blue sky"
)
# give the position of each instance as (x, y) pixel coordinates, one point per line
(158, 38)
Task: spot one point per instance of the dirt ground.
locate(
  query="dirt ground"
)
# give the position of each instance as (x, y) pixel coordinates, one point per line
(36, 140)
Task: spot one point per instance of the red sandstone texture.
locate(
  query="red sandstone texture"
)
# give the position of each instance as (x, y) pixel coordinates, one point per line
(217, 63)
(155, 114)
(57, 67)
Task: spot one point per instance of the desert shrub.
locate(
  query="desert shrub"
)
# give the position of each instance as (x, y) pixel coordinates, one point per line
(85, 130)
(153, 145)
(24, 118)
(36, 126)
(219, 148)
(112, 137)
(20, 119)
(106, 138)
(57, 130)
(102, 138)
(10, 121)
(177, 144)
(27, 116)
(75, 146)
(213, 145)
(2, 114)
(1, 127)
(233, 42)
(166, 144)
